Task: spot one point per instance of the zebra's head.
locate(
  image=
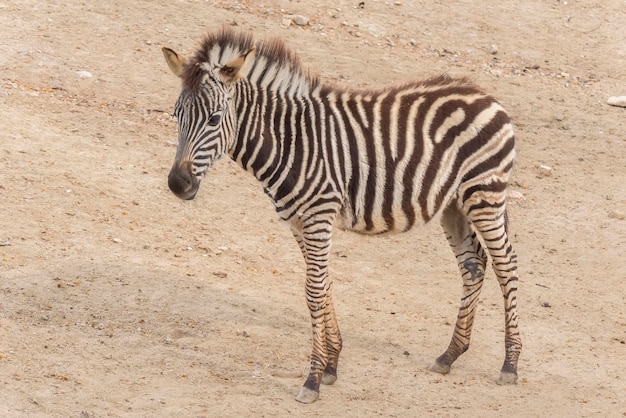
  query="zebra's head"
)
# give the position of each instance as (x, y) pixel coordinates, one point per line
(206, 117)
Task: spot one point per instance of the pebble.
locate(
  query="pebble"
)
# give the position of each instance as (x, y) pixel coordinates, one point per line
(493, 49)
(297, 19)
(545, 170)
(615, 214)
(84, 74)
(514, 194)
(619, 101)
(373, 29)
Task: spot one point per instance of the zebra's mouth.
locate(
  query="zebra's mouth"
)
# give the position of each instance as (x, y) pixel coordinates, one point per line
(182, 183)
(189, 196)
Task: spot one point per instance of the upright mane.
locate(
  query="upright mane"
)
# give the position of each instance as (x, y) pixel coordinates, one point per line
(275, 65)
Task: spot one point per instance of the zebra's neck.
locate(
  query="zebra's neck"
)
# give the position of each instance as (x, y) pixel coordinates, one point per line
(280, 78)
(275, 93)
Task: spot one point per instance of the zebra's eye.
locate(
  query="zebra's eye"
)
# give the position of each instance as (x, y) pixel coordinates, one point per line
(214, 119)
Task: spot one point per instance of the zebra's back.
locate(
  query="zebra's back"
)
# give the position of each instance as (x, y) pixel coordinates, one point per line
(415, 148)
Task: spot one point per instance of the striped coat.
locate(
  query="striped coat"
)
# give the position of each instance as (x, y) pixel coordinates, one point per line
(373, 161)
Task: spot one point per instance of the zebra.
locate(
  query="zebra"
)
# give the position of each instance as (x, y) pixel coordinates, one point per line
(371, 160)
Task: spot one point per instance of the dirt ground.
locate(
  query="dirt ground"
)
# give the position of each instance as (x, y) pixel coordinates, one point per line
(117, 299)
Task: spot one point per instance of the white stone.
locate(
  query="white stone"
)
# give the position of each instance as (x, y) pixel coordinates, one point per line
(514, 194)
(297, 19)
(84, 74)
(373, 29)
(617, 101)
(545, 170)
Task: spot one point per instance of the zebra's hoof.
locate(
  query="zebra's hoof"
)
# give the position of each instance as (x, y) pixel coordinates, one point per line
(328, 379)
(507, 378)
(307, 395)
(440, 368)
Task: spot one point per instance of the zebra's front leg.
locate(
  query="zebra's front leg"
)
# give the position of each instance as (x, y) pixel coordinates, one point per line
(333, 340)
(316, 302)
(314, 241)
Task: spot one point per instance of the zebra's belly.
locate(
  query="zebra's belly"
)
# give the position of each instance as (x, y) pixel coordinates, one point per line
(376, 223)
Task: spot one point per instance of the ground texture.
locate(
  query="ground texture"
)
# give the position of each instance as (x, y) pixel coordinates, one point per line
(117, 299)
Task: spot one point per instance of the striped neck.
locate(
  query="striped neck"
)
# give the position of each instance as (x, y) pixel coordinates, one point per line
(279, 77)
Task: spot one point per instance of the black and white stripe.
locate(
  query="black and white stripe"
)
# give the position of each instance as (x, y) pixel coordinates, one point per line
(375, 161)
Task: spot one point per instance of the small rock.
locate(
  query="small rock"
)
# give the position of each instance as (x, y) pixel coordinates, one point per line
(297, 19)
(619, 101)
(493, 49)
(220, 274)
(545, 170)
(373, 29)
(616, 214)
(514, 194)
(220, 250)
(116, 240)
(84, 74)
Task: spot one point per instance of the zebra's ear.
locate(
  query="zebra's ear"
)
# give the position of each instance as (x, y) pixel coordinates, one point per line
(174, 61)
(237, 68)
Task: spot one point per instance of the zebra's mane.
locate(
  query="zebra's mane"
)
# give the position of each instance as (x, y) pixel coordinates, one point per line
(278, 68)
(275, 65)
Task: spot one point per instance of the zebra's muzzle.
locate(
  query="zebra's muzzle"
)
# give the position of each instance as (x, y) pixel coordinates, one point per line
(182, 182)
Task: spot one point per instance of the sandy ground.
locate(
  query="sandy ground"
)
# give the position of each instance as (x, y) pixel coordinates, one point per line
(117, 299)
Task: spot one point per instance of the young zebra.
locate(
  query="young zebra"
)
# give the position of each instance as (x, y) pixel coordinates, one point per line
(375, 160)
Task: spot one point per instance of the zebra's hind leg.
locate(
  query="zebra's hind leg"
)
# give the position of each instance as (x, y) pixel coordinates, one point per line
(472, 260)
(487, 212)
